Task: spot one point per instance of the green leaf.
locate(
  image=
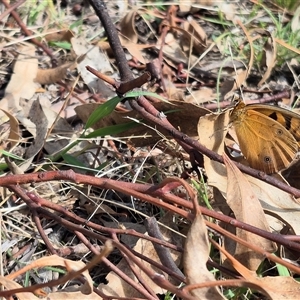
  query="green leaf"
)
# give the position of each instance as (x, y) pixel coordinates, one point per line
(5, 153)
(102, 110)
(282, 270)
(3, 167)
(76, 24)
(63, 45)
(111, 130)
(106, 108)
(135, 94)
(71, 160)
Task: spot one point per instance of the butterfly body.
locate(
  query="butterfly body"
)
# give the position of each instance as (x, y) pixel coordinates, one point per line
(266, 144)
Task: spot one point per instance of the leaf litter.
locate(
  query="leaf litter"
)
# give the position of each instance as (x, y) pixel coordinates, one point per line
(205, 59)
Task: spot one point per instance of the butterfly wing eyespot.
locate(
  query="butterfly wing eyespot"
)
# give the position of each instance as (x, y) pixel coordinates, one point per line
(287, 118)
(266, 144)
(267, 159)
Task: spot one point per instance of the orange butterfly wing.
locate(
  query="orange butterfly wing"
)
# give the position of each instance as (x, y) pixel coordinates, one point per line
(265, 143)
(287, 118)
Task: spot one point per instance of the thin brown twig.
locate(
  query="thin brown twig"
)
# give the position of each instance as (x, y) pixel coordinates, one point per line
(162, 252)
(140, 191)
(86, 232)
(38, 224)
(11, 8)
(32, 206)
(77, 228)
(159, 266)
(136, 272)
(44, 203)
(113, 38)
(183, 213)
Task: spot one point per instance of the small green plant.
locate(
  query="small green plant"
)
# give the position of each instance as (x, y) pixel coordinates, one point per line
(201, 188)
(39, 7)
(284, 32)
(287, 4)
(99, 113)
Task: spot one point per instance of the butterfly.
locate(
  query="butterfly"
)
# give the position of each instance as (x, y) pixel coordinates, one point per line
(268, 136)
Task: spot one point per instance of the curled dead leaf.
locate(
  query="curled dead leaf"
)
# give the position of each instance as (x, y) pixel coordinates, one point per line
(58, 36)
(193, 36)
(48, 76)
(269, 58)
(127, 26)
(14, 132)
(129, 37)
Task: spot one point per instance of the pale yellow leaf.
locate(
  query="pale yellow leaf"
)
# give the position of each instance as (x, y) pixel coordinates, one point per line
(196, 254)
(246, 208)
(22, 82)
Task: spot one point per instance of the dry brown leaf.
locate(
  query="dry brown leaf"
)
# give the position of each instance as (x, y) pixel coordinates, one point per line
(228, 9)
(269, 58)
(96, 59)
(193, 36)
(61, 35)
(129, 37)
(37, 124)
(275, 287)
(104, 45)
(127, 26)
(61, 126)
(135, 50)
(53, 260)
(37, 116)
(14, 132)
(201, 96)
(9, 284)
(170, 44)
(86, 290)
(22, 82)
(48, 76)
(212, 131)
(280, 287)
(232, 84)
(246, 208)
(196, 254)
(185, 5)
(185, 117)
(173, 93)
